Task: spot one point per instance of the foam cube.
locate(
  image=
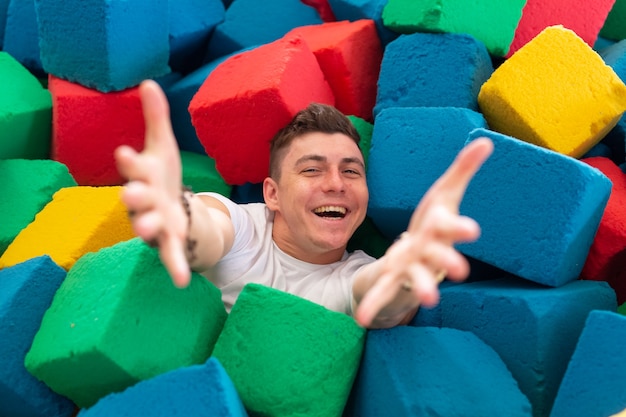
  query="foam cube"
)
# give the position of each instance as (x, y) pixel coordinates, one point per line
(78, 220)
(250, 23)
(432, 70)
(538, 210)
(102, 44)
(193, 390)
(323, 9)
(89, 125)
(412, 147)
(288, 356)
(613, 27)
(21, 35)
(200, 175)
(411, 371)
(28, 185)
(191, 23)
(25, 113)
(349, 54)
(365, 129)
(586, 19)
(179, 95)
(533, 329)
(364, 9)
(4, 5)
(117, 319)
(555, 92)
(493, 23)
(594, 382)
(248, 98)
(26, 291)
(607, 254)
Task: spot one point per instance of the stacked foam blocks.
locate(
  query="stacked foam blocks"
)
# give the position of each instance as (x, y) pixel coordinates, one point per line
(89, 321)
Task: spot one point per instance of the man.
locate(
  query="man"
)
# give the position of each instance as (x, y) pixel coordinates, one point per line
(315, 198)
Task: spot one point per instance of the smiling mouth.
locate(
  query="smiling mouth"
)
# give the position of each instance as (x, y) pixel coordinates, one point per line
(333, 212)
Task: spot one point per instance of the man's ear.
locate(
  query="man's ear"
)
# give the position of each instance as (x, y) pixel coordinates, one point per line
(270, 193)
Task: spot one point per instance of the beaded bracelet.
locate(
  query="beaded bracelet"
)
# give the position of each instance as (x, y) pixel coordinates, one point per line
(190, 243)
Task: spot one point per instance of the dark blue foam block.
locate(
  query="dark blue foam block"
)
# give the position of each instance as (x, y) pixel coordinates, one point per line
(615, 57)
(21, 35)
(353, 10)
(532, 327)
(191, 24)
(26, 291)
(102, 44)
(432, 70)
(593, 385)
(539, 210)
(411, 147)
(4, 6)
(253, 22)
(179, 96)
(196, 390)
(419, 371)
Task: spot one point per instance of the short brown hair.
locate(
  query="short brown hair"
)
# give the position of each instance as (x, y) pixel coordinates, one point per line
(315, 117)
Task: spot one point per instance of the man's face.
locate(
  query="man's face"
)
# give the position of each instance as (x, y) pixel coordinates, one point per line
(321, 196)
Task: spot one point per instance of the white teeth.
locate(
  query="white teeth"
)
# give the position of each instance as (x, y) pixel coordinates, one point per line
(326, 209)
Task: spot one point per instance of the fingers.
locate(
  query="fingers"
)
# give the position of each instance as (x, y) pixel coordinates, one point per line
(172, 255)
(159, 133)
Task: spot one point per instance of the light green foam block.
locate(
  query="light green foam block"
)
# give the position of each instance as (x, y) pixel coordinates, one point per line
(288, 356)
(117, 319)
(492, 22)
(25, 113)
(27, 186)
(200, 174)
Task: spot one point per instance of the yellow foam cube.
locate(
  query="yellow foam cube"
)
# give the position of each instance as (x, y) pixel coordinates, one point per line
(77, 220)
(555, 92)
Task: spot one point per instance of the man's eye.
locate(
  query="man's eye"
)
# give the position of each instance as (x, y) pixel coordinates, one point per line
(310, 170)
(352, 172)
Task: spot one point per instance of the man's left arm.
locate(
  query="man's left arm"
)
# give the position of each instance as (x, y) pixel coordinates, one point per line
(389, 291)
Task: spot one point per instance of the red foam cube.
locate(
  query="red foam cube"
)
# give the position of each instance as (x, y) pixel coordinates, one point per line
(585, 18)
(323, 9)
(248, 98)
(350, 55)
(87, 126)
(607, 255)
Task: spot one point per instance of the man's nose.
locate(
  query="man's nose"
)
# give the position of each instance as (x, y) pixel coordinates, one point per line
(334, 181)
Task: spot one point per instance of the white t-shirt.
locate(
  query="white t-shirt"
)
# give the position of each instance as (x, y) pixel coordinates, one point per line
(255, 258)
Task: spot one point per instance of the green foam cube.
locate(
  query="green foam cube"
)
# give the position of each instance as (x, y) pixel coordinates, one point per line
(117, 319)
(288, 356)
(25, 112)
(27, 186)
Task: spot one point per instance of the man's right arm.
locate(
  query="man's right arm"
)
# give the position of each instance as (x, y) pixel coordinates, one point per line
(191, 231)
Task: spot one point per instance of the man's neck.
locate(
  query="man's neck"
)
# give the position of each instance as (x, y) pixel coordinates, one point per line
(287, 243)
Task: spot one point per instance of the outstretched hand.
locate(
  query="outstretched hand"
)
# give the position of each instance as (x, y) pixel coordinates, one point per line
(153, 192)
(409, 273)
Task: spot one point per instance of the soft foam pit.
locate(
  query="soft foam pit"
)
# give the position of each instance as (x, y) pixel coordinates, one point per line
(28, 185)
(248, 98)
(538, 210)
(89, 125)
(193, 390)
(25, 112)
(349, 54)
(117, 319)
(288, 356)
(26, 291)
(432, 70)
(493, 23)
(76, 221)
(419, 371)
(554, 92)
